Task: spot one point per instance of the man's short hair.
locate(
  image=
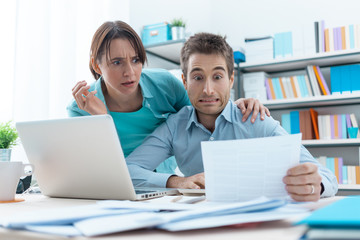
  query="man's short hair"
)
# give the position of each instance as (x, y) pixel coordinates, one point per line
(207, 43)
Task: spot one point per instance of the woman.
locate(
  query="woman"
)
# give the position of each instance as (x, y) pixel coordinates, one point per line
(138, 99)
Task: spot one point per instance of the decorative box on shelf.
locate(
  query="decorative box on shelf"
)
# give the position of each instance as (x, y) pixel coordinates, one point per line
(156, 33)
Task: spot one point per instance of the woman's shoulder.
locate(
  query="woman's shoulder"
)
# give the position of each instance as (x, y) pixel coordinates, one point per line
(157, 75)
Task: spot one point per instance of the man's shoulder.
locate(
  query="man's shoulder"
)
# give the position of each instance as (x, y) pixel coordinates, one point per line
(181, 117)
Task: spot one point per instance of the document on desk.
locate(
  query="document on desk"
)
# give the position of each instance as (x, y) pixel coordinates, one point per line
(241, 170)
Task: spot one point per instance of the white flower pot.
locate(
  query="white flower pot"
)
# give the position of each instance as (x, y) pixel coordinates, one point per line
(5, 155)
(178, 33)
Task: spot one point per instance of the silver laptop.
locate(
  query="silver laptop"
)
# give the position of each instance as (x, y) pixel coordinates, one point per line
(80, 157)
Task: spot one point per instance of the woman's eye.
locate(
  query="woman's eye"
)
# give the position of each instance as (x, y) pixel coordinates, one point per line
(136, 60)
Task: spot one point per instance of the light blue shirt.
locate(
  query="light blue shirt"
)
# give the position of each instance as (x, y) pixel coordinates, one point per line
(182, 134)
(163, 94)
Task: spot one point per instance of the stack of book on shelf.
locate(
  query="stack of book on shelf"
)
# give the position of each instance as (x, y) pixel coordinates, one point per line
(336, 126)
(300, 86)
(345, 79)
(315, 126)
(259, 49)
(254, 85)
(342, 38)
(344, 174)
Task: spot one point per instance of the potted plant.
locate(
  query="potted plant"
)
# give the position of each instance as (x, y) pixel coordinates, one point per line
(8, 138)
(177, 29)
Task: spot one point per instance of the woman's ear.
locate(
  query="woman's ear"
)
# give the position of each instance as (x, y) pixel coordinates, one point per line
(95, 66)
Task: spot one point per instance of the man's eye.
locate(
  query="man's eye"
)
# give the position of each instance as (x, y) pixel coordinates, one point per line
(218, 77)
(116, 62)
(136, 60)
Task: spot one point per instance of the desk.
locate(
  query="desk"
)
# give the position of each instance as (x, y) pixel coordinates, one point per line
(267, 230)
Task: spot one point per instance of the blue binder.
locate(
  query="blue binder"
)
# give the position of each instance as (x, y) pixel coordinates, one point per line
(344, 213)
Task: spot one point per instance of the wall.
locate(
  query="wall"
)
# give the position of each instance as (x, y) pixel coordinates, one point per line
(243, 18)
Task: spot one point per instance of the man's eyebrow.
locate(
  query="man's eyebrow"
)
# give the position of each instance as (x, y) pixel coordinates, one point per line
(219, 68)
(195, 69)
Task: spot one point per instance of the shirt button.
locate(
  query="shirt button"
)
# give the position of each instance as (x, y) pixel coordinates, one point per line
(148, 104)
(211, 138)
(163, 115)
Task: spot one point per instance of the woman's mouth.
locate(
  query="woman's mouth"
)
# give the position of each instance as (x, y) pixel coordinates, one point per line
(128, 83)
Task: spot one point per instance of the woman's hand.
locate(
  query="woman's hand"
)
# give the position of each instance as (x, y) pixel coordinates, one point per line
(86, 100)
(248, 105)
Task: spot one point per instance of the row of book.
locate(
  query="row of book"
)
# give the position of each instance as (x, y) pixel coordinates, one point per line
(344, 79)
(344, 174)
(336, 38)
(306, 40)
(315, 126)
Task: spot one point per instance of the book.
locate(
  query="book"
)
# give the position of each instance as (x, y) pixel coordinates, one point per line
(323, 80)
(285, 122)
(314, 121)
(294, 122)
(340, 170)
(313, 80)
(272, 90)
(293, 87)
(319, 80)
(345, 174)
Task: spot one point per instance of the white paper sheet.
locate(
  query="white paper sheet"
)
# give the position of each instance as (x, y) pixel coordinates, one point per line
(241, 170)
(226, 220)
(61, 216)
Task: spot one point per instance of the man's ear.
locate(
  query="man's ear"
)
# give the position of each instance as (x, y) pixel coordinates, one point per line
(232, 80)
(184, 81)
(95, 66)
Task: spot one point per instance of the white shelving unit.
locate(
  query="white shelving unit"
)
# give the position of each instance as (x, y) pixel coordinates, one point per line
(348, 149)
(169, 50)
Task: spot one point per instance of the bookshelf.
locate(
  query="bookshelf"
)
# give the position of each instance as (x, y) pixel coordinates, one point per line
(348, 149)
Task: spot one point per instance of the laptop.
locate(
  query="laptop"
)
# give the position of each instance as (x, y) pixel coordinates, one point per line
(80, 157)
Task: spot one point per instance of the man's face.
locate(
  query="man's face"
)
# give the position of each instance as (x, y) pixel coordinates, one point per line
(208, 84)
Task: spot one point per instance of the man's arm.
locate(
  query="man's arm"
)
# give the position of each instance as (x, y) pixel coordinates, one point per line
(155, 149)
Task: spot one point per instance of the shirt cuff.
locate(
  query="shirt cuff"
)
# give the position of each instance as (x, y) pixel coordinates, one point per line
(159, 179)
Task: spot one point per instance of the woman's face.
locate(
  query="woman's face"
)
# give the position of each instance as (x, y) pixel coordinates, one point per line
(123, 71)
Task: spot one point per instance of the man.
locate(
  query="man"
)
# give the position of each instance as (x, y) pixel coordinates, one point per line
(208, 75)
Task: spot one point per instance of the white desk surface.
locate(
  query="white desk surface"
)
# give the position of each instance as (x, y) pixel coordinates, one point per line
(267, 230)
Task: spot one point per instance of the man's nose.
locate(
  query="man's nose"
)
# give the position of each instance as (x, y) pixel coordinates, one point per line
(208, 87)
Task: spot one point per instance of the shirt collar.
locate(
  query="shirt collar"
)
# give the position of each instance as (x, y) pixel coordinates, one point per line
(226, 114)
(144, 90)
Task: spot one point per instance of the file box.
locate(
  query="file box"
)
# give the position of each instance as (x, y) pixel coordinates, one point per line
(156, 33)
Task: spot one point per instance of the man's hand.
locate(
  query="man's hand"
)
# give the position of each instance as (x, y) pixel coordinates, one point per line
(86, 100)
(196, 181)
(249, 105)
(303, 182)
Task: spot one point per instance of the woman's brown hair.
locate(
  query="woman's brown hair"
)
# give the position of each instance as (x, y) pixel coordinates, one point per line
(103, 36)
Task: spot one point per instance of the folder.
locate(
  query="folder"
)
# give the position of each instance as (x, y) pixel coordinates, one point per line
(342, 213)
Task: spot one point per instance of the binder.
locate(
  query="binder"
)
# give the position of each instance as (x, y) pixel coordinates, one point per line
(342, 213)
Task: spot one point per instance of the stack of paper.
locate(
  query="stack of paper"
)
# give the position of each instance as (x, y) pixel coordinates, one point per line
(116, 216)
